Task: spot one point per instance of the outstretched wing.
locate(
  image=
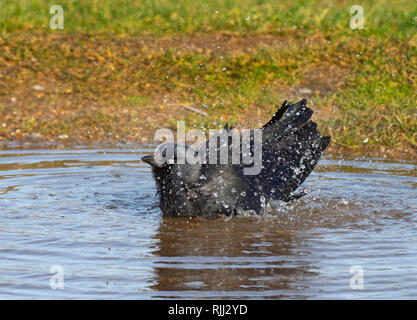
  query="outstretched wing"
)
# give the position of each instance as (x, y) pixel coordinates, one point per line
(292, 146)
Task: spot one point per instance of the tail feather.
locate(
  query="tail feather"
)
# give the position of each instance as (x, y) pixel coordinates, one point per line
(325, 141)
(278, 115)
(286, 121)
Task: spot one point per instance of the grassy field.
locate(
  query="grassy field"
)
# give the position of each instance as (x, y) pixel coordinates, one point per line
(121, 69)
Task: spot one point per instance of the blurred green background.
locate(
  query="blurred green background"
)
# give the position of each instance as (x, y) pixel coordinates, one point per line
(119, 69)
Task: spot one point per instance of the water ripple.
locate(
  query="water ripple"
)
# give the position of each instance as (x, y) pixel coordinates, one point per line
(95, 213)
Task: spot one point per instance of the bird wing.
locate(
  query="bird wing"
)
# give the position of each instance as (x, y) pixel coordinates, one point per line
(292, 146)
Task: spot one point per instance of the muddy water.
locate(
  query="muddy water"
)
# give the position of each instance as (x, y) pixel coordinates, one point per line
(94, 214)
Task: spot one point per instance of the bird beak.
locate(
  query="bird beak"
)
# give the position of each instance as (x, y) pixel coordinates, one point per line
(150, 160)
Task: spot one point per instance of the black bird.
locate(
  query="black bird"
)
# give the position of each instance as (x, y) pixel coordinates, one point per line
(291, 148)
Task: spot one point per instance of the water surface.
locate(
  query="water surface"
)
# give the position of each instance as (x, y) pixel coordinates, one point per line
(95, 214)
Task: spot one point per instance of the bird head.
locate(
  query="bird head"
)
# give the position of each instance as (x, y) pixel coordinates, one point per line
(166, 169)
(164, 157)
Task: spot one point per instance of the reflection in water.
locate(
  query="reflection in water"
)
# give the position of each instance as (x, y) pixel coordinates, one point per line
(95, 213)
(227, 257)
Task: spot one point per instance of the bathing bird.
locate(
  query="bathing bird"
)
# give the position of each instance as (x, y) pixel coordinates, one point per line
(291, 146)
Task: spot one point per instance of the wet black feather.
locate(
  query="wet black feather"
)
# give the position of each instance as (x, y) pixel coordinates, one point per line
(291, 148)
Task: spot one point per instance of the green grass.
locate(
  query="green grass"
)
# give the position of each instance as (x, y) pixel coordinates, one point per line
(95, 61)
(383, 18)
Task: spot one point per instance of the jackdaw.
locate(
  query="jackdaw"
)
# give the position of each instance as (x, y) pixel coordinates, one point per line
(291, 146)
